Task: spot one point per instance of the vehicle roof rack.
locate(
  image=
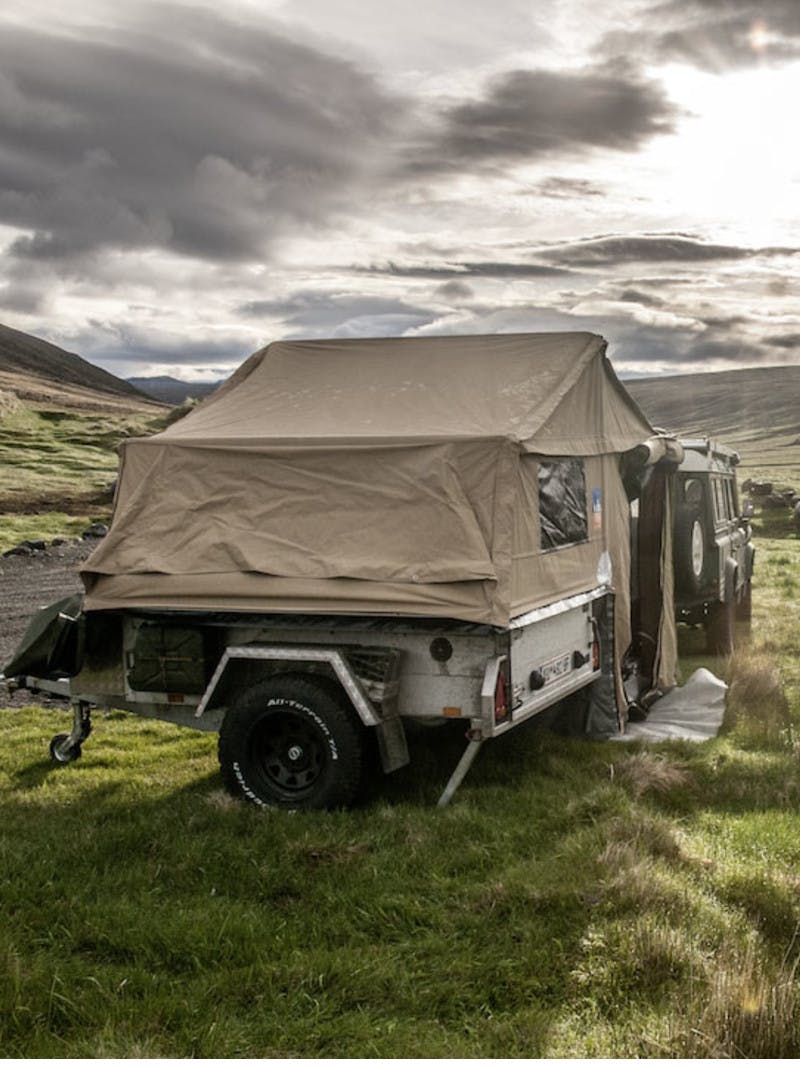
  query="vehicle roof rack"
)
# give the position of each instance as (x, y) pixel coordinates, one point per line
(707, 446)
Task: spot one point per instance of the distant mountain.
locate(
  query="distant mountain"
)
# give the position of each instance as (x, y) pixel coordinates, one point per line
(756, 404)
(38, 371)
(172, 390)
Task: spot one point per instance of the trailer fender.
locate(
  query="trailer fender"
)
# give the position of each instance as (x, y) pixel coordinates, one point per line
(390, 734)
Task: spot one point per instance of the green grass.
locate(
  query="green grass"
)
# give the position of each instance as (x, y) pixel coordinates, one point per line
(43, 526)
(576, 899)
(56, 468)
(45, 453)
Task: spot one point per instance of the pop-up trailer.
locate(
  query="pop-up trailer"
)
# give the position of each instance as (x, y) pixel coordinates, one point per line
(351, 534)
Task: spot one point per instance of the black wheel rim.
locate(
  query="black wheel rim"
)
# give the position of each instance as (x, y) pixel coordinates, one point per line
(288, 753)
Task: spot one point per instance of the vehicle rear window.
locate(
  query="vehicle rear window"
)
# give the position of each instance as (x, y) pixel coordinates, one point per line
(562, 503)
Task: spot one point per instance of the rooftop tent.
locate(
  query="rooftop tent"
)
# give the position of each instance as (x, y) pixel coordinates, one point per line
(409, 476)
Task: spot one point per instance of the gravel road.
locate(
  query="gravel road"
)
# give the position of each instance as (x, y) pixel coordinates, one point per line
(28, 583)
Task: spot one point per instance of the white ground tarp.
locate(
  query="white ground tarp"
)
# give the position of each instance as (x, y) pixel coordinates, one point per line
(691, 712)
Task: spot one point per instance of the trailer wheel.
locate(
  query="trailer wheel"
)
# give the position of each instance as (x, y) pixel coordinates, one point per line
(291, 743)
(61, 752)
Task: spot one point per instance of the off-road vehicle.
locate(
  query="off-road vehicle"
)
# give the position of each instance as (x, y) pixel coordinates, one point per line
(713, 552)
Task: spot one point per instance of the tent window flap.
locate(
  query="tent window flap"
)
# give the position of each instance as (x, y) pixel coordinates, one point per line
(562, 503)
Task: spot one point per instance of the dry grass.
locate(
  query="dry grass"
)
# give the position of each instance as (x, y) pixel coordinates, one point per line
(639, 860)
(748, 1012)
(9, 403)
(646, 772)
(757, 703)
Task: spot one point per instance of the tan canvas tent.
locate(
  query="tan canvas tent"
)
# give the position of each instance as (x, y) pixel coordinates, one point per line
(387, 476)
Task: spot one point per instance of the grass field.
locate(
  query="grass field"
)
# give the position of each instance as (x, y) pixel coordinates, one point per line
(576, 899)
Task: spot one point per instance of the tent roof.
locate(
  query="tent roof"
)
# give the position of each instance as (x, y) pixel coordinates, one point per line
(424, 388)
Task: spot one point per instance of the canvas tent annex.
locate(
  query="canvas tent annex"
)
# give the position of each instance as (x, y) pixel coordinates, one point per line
(469, 478)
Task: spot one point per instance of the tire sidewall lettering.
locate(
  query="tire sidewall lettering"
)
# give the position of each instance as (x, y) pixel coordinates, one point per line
(304, 709)
(256, 738)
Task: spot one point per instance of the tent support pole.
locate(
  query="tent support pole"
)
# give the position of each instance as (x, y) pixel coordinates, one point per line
(460, 773)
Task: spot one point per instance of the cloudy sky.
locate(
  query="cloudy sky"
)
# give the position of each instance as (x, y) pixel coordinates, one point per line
(181, 183)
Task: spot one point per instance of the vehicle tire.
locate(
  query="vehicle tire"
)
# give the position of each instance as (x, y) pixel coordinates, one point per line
(291, 743)
(61, 753)
(690, 551)
(744, 607)
(720, 628)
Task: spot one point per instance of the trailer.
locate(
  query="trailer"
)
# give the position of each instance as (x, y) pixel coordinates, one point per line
(350, 535)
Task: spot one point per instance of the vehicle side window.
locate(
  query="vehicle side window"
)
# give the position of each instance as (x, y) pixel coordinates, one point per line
(693, 492)
(730, 498)
(720, 503)
(562, 503)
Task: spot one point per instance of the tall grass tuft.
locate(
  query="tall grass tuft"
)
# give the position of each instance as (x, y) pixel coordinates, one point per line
(748, 1013)
(645, 772)
(758, 708)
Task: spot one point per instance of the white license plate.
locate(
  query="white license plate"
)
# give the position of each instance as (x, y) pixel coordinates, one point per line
(556, 668)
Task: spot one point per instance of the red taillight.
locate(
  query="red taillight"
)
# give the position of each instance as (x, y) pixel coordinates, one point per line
(500, 699)
(595, 655)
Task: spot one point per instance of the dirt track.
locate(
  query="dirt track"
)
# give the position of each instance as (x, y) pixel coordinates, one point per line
(28, 583)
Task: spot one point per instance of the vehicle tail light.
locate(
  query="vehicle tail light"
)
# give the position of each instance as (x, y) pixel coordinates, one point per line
(500, 698)
(595, 654)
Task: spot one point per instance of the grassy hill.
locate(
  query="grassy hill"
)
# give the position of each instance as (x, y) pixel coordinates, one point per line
(41, 373)
(756, 411)
(61, 420)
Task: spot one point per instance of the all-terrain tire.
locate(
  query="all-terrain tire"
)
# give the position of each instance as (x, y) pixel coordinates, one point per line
(721, 628)
(291, 743)
(690, 551)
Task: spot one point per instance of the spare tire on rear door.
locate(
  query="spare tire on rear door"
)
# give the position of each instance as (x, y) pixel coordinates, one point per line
(290, 742)
(690, 550)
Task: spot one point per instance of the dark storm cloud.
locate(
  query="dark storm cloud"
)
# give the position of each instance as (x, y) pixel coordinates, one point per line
(714, 351)
(454, 291)
(469, 269)
(714, 35)
(636, 296)
(527, 114)
(784, 340)
(605, 251)
(113, 342)
(314, 314)
(722, 322)
(566, 188)
(205, 141)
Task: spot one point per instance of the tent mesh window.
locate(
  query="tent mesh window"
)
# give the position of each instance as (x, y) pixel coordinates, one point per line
(562, 503)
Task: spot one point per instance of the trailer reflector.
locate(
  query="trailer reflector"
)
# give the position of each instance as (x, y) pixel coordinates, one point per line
(500, 698)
